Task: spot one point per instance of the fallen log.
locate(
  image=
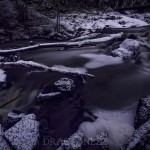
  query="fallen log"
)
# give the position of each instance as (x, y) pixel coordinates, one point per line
(43, 68)
(87, 42)
(85, 37)
(126, 30)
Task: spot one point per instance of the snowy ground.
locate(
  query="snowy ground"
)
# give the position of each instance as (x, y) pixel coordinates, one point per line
(119, 125)
(90, 23)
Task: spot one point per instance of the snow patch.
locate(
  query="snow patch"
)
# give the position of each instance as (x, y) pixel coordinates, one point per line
(118, 132)
(2, 76)
(68, 69)
(118, 124)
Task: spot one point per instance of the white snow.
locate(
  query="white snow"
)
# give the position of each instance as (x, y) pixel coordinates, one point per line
(100, 40)
(27, 64)
(130, 44)
(141, 16)
(55, 68)
(14, 115)
(118, 132)
(127, 48)
(48, 95)
(24, 134)
(118, 125)
(2, 76)
(122, 52)
(99, 21)
(69, 69)
(65, 85)
(100, 60)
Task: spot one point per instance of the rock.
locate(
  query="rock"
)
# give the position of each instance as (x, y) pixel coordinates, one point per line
(31, 43)
(13, 117)
(49, 96)
(132, 36)
(3, 144)
(24, 134)
(130, 44)
(121, 52)
(65, 85)
(143, 112)
(140, 138)
(2, 32)
(74, 142)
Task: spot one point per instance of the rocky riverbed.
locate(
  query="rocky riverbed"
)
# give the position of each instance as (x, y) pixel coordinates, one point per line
(86, 93)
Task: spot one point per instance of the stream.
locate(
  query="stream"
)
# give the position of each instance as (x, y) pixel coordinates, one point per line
(114, 87)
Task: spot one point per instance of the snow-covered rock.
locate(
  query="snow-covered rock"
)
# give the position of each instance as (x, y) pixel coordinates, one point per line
(122, 52)
(24, 134)
(3, 144)
(65, 85)
(127, 49)
(143, 112)
(13, 118)
(74, 142)
(130, 44)
(135, 142)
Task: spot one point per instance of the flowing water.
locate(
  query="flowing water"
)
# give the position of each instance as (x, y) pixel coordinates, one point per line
(114, 87)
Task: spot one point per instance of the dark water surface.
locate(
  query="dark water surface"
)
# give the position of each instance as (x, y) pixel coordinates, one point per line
(114, 86)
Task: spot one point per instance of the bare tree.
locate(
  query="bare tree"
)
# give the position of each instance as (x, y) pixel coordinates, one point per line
(57, 8)
(22, 8)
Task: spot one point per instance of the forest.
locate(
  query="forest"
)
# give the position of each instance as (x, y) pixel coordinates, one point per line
(74, 74)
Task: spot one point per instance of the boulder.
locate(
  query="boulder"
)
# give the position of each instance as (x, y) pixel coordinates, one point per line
(24, 135)
(65, 85)
(140, 138)
(143, 112)
(13, 117)
(3, 144)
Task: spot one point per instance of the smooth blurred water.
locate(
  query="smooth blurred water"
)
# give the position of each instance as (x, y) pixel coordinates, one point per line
(114, 86)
